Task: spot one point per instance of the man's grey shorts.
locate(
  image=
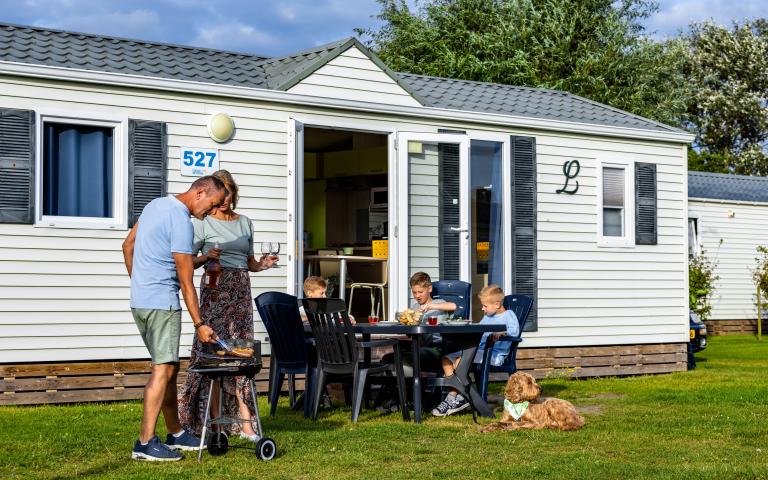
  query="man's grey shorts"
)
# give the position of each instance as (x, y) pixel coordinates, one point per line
(160, 330)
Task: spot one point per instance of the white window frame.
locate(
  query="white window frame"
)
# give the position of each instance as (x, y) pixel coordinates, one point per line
(628, 239)
(119, 124)
(697, 246)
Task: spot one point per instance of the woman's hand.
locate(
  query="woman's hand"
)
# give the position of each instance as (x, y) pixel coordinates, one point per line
(213, 254)
(426, 307)
(267, 261)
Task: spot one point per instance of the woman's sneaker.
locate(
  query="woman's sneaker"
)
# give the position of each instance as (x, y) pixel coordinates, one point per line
(185, 441)
(154, 451)
(254, 437)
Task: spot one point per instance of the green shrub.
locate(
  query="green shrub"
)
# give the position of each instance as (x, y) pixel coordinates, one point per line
(760, 273)
(701, 284)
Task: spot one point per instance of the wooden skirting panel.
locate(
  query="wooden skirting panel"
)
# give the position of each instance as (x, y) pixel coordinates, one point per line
(27, 384)
(601, 361)
(734, 327)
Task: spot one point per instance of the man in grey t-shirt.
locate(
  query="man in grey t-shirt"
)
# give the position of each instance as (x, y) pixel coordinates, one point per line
(158, 257)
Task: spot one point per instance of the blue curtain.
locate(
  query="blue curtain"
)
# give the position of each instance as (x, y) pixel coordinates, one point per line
(77, 170)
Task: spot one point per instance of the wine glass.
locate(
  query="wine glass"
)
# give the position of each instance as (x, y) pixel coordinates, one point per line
(274, 249)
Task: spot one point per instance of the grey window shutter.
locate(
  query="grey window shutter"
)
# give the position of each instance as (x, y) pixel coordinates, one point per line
(448, 209)
(17, 166)
(524, 252)
(147, 163)
(646, 223)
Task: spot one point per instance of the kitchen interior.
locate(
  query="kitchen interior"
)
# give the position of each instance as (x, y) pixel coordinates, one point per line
(346, 211)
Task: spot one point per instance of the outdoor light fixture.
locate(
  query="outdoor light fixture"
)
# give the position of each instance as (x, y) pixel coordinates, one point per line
(220, 127)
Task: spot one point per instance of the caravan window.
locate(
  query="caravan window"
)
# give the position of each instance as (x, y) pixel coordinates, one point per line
(616, 206)
(81, 174)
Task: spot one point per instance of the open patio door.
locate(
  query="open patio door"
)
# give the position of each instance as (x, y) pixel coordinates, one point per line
(295, 247)
(432, 209)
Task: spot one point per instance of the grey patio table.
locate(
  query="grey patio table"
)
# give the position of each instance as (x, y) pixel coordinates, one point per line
(466, 337)
(342, 259)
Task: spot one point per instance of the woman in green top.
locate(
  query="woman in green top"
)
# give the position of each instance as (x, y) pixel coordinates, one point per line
(228, 308)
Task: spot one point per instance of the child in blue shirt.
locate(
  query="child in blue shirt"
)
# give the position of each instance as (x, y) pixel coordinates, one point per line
(492, 299)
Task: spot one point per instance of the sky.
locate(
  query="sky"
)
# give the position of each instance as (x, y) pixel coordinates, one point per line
(277, 27)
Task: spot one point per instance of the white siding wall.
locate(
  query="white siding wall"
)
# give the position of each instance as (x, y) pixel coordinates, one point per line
(423, 213)
(734, 298)
(353, 76)
(590, 295)
(64, 292)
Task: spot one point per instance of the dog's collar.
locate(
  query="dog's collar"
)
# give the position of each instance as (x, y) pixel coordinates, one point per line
(517, 410)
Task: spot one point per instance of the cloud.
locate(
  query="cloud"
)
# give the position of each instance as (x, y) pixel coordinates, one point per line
(676, 15)
(233, 36)
(135, 24)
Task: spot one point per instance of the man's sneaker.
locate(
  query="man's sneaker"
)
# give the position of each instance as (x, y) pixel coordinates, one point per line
(457, 404)
(186, 441)
(154, 451)
(442, 408)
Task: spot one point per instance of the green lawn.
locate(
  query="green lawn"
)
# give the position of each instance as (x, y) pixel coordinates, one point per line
(709, 423)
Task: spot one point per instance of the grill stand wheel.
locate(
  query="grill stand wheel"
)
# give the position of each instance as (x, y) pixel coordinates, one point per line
(218, 444)
(266, 449)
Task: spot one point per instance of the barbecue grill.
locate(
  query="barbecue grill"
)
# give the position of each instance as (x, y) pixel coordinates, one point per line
(214, 363)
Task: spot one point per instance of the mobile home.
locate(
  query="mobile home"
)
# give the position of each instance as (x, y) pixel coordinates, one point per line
(578, 204)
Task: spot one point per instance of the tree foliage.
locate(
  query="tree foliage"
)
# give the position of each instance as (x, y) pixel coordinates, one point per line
(592, 48)
(728, 110)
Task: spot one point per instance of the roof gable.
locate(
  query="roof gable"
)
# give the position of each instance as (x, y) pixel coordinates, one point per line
(353, 72)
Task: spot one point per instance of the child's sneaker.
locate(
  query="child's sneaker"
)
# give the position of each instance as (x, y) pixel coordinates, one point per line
(457, 404)
(443, 407)
(185, 441)
(154, 451)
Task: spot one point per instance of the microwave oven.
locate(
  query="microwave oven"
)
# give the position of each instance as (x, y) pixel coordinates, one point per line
(379, 197)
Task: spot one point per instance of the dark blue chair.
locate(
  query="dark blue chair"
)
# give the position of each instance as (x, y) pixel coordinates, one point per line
(521, 306)
(280, 314)
(338, 350)
(457, 292)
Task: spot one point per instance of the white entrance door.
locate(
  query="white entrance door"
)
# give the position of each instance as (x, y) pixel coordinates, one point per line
(432, 231)
(295, 247)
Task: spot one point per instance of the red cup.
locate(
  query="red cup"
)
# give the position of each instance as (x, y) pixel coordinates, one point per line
(432, 320)
(373, 319)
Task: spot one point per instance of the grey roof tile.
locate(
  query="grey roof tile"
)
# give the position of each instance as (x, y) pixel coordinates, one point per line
(109, 54)
(723, 186)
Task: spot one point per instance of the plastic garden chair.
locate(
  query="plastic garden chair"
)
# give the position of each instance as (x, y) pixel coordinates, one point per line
(521, 306)
(338, 351)
(280, 314)
(454, 291)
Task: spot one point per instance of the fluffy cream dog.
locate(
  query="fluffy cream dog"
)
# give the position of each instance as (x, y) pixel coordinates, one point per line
(523, 408)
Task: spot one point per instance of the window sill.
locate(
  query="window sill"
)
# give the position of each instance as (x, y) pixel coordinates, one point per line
(81, 223)
(615, 242)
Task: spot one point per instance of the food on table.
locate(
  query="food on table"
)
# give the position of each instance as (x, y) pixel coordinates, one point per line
(410, 317)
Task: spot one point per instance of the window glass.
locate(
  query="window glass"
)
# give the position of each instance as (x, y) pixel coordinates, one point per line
(613, 202)
(78, 170)
(693, 237)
